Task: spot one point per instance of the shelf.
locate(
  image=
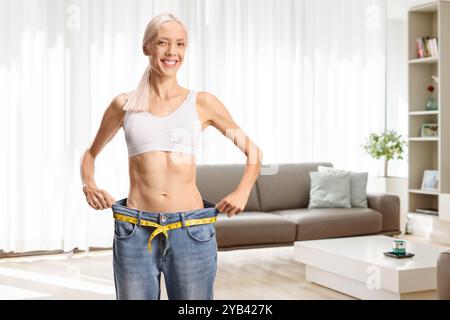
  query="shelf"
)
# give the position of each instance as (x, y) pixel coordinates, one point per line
(423, 113)
(426, 213)
(424, 139)
(426, 7)
(433, 211)
(425, 60)
(428, 152)
(420, 191)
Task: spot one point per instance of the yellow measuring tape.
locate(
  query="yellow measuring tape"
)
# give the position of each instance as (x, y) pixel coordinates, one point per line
(159, 228)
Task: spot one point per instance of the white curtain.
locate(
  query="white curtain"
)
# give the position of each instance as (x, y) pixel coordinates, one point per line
(303, 78)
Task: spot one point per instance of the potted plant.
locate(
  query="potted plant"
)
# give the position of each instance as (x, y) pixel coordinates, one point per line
(387, 145)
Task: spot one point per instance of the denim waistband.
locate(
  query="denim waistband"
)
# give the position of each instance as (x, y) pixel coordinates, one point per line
(164, 218)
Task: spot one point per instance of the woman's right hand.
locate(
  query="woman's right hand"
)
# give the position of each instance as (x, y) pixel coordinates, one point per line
(98, 198)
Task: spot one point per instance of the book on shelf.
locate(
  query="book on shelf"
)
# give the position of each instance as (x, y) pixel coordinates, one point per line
(427, 210)
(427, 47)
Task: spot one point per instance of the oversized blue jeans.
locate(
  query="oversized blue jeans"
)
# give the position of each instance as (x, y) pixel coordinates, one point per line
(188, 257)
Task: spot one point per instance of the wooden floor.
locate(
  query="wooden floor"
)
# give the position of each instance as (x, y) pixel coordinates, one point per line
(267, 273)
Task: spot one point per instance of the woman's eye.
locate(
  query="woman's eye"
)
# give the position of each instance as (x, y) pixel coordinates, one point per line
(181, 44)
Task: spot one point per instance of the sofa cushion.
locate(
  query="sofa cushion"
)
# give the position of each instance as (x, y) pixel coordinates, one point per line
(288, 188)
(253, 228)
(358, 186)
(329, 190)
(216, 181)
(332, 222)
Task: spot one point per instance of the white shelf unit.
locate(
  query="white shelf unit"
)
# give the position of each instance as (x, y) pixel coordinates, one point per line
(424, 60)
(429, 153)
(422, 113)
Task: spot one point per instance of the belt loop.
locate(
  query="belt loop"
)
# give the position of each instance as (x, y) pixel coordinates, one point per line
(139, 217)
(183, 220)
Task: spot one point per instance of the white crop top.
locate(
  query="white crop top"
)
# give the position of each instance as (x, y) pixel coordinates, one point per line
(179, 131)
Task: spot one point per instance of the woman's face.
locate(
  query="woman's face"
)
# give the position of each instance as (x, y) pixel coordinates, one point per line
(166, 54)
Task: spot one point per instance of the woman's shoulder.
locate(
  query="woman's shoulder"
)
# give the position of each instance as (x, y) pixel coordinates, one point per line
(210, 105)
(205, 98)
(121, 99)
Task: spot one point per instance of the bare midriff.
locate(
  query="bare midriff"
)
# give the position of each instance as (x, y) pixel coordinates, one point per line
(163, 181)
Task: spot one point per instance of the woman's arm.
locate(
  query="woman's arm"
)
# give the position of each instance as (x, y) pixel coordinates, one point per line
(220, 118)
(110, 124)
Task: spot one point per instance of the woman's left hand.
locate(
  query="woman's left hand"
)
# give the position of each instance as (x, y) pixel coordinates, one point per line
(233, 204)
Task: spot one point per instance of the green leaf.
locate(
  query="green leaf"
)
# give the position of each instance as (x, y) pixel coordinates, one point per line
(388, 145)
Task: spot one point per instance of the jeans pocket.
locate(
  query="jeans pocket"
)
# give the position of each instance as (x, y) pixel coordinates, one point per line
(202, 232)
(123, 229)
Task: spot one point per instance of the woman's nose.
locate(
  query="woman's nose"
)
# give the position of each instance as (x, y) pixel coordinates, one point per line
(172, 49)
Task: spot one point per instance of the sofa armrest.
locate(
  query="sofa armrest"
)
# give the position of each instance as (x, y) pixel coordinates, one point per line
(389, 206)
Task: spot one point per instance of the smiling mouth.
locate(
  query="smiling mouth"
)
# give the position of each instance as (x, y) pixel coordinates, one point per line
(169, 63)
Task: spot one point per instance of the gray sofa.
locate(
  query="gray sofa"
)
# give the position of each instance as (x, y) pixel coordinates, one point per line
(277, 215)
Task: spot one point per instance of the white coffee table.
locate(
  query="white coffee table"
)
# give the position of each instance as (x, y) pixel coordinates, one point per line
(356, 266)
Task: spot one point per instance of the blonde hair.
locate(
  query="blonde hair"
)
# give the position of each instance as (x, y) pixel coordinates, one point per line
(138, 99)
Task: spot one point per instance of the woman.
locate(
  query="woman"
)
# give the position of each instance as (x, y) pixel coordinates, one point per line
(162, 122)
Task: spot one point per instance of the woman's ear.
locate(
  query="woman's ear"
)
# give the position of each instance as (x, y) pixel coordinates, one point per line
(146, 50)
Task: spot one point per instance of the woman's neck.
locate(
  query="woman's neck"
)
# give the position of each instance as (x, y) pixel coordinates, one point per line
(164, 88)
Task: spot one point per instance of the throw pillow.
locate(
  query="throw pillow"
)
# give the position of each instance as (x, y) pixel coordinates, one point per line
(358, 186)
(329, 190)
